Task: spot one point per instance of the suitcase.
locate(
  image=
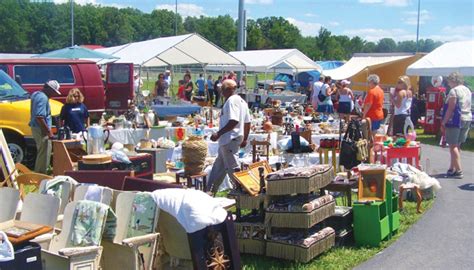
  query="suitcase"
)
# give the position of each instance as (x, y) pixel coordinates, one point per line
(27, 257)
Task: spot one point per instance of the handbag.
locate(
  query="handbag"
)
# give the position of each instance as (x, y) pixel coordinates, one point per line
(321, 96)
(348, 153)
(455, 120)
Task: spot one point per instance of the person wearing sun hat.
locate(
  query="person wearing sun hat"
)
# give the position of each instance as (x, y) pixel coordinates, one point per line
(41, 122)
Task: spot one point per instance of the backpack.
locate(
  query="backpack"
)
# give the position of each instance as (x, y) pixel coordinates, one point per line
(321, 96)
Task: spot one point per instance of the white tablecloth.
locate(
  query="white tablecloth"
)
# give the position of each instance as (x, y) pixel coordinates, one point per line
(133, 136)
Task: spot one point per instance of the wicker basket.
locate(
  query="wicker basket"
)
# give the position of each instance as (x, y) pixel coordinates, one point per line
(194, 155)
(250, 245)
(299, 253)
(245, 201)
(300, 185)
(299, 219)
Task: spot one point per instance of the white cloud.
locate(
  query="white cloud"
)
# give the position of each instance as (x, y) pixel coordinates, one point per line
(306, 28)
(310, 15)
(185, 10)
(390, 3)
(334, 23)
(257, 2)
(411, 17)
(457, 33)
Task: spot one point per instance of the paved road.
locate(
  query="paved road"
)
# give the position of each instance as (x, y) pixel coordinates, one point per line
(444, 237)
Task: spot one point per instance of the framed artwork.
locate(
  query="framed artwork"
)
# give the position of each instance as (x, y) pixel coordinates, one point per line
(372, 185)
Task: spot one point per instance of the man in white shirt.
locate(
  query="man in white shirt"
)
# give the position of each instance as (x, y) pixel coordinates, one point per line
(168, 82)
(234, 124)
(316, 89)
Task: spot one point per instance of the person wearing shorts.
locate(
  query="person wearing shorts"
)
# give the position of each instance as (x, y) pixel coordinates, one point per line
(373, 103)
(459, 94)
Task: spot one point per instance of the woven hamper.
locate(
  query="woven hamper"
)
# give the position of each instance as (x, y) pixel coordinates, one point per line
(299, 253)
(245, 201)
(194, 155)
(300, 185)
(299, 220)
(250, 245)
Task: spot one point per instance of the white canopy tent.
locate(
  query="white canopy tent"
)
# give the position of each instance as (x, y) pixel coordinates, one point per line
(360, 62)
(284, 61)
(170, 51)
(449, 57)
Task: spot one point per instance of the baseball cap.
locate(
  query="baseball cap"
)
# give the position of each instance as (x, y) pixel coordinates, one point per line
(54, 85)
(345, 82)
(229, 83)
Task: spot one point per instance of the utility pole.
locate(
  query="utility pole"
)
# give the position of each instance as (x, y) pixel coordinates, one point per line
(176, 18)
(240, 35)
(72, 23)
(418, 26)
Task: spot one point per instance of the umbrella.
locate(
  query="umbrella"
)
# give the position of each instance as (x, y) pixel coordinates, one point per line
(76, 52)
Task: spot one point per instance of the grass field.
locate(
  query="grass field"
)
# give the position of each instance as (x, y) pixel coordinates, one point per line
(340, 257)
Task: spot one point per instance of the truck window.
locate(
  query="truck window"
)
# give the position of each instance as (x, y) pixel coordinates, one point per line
(118, 74)
(39, 74)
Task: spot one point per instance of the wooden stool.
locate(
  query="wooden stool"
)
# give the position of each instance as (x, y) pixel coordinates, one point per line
(413, 187)
(387, 154)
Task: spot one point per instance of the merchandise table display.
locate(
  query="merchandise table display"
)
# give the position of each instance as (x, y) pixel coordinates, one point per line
(251, 97)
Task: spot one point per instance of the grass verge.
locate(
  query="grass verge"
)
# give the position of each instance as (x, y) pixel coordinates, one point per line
(339, 257)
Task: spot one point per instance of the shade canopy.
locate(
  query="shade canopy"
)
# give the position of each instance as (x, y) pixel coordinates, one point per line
(177, 50)
(449, 57)
(327, 65)
(76, 52)
(284, 61)
(387, 66)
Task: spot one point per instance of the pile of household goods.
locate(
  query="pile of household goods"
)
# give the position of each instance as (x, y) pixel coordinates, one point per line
(286, 221)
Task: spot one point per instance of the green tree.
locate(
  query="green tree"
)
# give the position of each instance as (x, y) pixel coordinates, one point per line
(386, 45)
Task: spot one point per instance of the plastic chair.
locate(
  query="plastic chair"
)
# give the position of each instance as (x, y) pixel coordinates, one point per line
(30, 182)
(134, 253)
(67, 189)
(62, 254)
(40, 209)
(10, 198)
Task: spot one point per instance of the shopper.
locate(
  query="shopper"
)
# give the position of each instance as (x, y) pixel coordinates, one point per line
(234, 124)
(74, 113)
(458, 105)
(345, 99)
(401, 99)
(325, 104)
(373, 103)
(160, 86)
(188, 87)
(41, 122)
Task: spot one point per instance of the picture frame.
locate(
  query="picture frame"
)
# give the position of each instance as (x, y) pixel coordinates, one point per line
(372, 185)
(248, 181)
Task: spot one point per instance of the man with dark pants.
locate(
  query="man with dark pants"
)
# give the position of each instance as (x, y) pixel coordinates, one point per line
(40, 123)
(234, 124)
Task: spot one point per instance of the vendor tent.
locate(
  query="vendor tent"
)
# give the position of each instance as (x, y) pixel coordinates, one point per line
(168, 51)
(449, 57)
(283, 61)
(387, 66)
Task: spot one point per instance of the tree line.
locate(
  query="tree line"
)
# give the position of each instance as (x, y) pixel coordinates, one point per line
(37, 27)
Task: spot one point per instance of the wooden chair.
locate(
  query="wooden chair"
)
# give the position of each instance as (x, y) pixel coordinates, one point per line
(30, 182)
(105, 198)
(260, 148)
(10, 198)
(10, 179)
(198, 181)
(40, 209)
(62, 254)
(126, 253)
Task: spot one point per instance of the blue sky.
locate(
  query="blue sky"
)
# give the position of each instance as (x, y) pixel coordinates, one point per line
(441, 20)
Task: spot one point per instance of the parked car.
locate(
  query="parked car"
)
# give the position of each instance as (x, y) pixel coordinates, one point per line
(32, 73)
(284, 81)
(15, 116)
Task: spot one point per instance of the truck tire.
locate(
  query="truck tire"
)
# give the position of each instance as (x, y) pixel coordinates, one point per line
(20, 153)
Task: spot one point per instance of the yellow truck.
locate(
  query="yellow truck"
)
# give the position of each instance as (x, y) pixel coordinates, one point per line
(15, 116)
